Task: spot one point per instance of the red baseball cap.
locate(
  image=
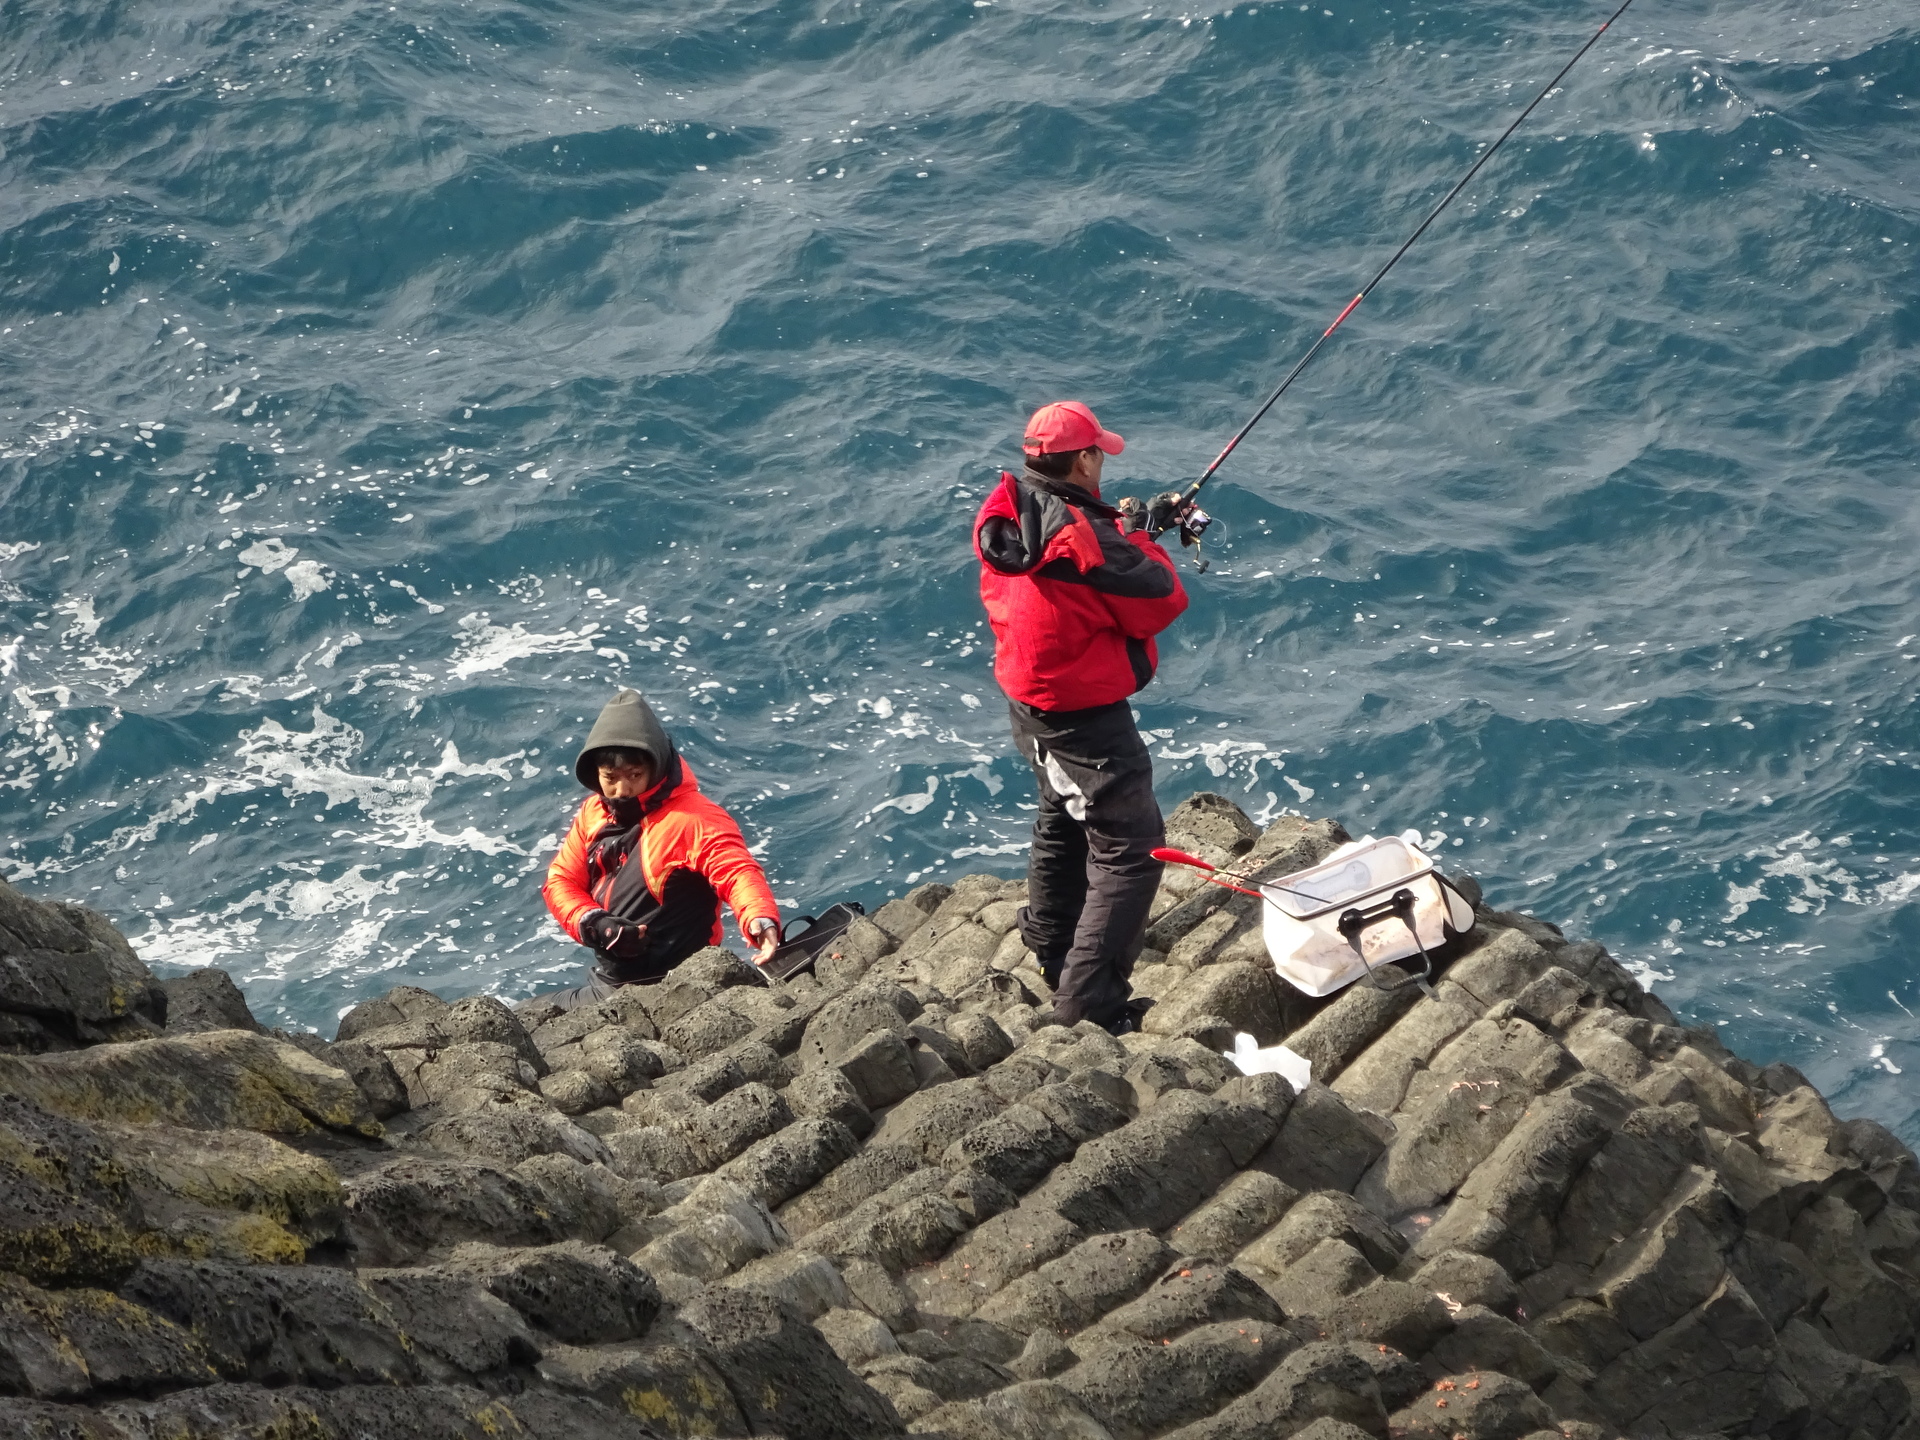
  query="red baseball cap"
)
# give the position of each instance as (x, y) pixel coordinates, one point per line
(1067, 425)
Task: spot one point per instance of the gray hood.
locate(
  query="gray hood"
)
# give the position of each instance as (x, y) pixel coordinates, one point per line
(629, 722)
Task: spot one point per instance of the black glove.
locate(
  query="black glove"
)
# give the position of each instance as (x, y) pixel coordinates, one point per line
(611, 936)
(1133, 514)
(1165, 511)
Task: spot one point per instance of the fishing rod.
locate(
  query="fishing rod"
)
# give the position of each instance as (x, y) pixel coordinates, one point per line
(1177, 509)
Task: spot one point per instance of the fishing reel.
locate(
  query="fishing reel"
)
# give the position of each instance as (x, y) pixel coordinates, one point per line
(1171, 510)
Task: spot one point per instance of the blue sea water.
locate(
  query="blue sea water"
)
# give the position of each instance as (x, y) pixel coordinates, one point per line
(381, 385)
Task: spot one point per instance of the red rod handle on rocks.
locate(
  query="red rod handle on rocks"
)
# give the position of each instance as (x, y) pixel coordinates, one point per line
(1169, 856)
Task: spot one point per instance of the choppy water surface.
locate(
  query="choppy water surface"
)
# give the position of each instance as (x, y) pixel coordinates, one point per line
(384, 384)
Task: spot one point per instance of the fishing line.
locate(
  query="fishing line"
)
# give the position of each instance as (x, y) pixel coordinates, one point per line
(1353, 304)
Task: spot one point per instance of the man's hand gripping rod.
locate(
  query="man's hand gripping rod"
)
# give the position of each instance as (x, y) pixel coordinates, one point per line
(1177, 508)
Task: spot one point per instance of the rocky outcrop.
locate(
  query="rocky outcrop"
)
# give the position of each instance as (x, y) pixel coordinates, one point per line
(897, 1198)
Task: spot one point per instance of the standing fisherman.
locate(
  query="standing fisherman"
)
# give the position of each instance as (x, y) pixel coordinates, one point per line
(1075, 591)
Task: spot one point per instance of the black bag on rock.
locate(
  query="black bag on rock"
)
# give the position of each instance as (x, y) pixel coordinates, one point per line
(797, 953)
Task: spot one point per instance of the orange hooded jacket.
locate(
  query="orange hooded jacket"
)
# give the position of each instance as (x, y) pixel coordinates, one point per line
(682, 830)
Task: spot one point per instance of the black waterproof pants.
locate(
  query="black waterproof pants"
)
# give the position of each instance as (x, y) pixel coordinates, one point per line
(1092, 875)
(598, 987)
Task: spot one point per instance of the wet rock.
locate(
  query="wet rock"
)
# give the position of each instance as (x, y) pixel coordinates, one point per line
(1140, 1390)
(1460, 1277)
(401, 1210)
(706, 1080)
(1319, 1381)
(792, 1161)
(1675, 1261)
(1378, 1079)
(67, 1213)
(507, 1134)
(732, 1123)
(67, 977)
(371, 1070)
(782, 1371)
(222, 1080)
(457, 1328)
(1075, 1290)
(671, 1383)
(1846, 1396)
(1326, 1215)
(1244, 995)
(279, 1324)
(1188, 1294)
(67, 1344)
(1505, 1209)
(1242, 1210)
(174, 1171)
(206, 1000)
(1362, 1013)
(1475, 1406)
(1033, 1410)
(580, 1293)
(1480, 1339)
(1437, 1145)
(1325, 1143)
(399, 1006)
(1705, 1373)
(856, 1337)
(881, 1069)
(1865, 1312)
(1155, 1169)
(1390, 1312)
(1017, 1147)
(826, 1094)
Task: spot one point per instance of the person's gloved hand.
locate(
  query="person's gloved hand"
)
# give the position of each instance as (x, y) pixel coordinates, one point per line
(612, 936)
(1165, 511)
(1133, 514)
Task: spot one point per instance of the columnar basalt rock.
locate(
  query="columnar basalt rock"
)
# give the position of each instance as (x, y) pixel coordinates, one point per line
(896, 1197)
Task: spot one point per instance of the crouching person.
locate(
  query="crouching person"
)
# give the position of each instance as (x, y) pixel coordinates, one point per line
(641, 873)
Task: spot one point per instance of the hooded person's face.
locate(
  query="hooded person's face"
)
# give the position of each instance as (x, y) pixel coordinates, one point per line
(626, 782)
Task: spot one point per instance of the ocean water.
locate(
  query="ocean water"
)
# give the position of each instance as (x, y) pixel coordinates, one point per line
(380, 385)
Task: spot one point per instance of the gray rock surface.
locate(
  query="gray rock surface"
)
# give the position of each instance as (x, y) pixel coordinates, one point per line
(897, 1198)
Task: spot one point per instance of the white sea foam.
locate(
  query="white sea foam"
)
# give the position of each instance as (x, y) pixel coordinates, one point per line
(484, 646)
(308, 578)
(909, 804)
(1643, 971)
